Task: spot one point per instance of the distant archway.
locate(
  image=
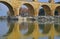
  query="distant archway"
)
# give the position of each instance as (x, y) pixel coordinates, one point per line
(57, 11)
(44, 11)
(26, 10)
(10, 12)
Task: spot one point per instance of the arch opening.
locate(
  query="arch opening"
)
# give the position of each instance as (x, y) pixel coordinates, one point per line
(44, 11)
(57, 15)
(6, 8)
(57, 11)
(57, 19)
(26, 10)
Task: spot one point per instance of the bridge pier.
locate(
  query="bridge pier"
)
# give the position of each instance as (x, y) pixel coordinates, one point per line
(52, 10)
(36, 13)
(16, 11)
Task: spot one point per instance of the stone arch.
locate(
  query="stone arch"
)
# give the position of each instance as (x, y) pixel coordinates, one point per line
(30, 9)
(57, 10)
(9, 7)
(47, 10)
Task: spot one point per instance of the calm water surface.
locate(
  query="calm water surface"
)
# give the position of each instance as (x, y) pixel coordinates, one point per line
(28, 30)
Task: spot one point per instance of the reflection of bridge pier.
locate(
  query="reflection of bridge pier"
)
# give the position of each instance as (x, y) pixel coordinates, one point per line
(36, 31)
(15, 33)
(52, 32)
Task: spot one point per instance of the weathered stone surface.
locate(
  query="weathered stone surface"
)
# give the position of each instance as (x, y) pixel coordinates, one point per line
(33, 6)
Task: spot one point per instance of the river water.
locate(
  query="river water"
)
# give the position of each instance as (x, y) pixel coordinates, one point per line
(29, 30)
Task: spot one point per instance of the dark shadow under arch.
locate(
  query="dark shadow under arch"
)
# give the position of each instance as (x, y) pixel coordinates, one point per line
(57, 11)
(45, 10)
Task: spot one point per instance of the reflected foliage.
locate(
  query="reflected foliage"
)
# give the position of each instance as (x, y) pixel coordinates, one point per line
(41, 26)
(44, 27)
(57, 28)
(47, 28)
(30, 29)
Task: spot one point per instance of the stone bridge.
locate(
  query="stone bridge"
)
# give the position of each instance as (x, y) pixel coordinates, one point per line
(15, 5)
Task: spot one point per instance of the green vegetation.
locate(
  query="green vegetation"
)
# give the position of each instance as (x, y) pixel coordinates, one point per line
(30, 29)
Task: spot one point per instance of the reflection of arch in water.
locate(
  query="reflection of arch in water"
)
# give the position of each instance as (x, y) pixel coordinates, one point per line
(44, 28)
(57, 11)
(47, 28)
(45, 10)
(9, 6)
(30, 27)
(30, 9)
(57, 27)
(10, 29)
(23, 27)
(3, 28)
